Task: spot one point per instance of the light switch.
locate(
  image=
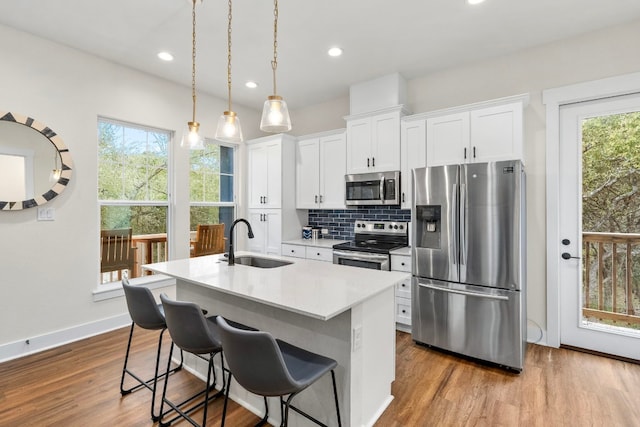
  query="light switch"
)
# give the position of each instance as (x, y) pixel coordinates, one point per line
(46, 214)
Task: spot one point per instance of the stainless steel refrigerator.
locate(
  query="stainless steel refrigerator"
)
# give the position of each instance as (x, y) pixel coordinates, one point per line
(469, 260)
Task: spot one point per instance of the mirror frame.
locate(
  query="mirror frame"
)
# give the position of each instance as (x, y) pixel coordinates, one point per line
(65, 158)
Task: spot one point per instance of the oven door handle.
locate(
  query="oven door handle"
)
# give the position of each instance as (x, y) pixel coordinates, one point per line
(360, 256)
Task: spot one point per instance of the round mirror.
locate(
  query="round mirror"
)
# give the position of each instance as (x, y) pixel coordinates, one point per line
(35, 165)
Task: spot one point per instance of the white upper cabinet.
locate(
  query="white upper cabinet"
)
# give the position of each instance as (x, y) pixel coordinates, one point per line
(413, 154)
(373, 141)
(447, 139)
(320, 170)
(265, 173)
(482, 132)
(497, 133)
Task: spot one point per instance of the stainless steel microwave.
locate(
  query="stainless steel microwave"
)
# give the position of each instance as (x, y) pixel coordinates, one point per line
(381, 188)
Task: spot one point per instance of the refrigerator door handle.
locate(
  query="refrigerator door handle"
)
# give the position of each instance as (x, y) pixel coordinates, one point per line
(463, 221)
(453, 247)
(465, 293)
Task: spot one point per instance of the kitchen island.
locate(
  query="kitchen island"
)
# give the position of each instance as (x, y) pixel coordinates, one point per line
(345, 313)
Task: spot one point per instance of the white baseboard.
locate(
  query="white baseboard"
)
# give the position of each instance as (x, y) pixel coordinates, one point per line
(39, 343)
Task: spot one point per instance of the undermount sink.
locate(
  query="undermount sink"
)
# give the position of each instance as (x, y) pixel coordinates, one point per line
(259, 262)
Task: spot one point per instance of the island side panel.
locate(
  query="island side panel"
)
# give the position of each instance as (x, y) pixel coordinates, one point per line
(373, 357)
(331, 338)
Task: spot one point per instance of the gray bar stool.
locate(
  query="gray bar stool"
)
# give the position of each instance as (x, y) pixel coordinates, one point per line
(194, 333)
(147, 314)
(271, 367)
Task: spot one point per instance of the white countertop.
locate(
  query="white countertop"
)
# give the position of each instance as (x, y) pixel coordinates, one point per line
(312, 288)
(316, 243)
(406, 251)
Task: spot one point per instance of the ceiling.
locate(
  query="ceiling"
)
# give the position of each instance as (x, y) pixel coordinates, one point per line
(413, 37)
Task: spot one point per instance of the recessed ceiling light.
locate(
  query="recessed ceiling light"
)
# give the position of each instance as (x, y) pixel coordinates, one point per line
(251, 85)
(475, 1)
(165, 56)
(335, 51)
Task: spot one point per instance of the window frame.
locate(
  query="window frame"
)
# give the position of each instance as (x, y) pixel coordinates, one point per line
(114, 289)
(234, 203)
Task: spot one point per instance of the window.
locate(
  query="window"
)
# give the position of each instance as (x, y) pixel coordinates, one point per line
(133, 195)
(212, 185)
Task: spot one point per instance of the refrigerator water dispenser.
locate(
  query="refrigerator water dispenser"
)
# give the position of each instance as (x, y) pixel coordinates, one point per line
(428, 226)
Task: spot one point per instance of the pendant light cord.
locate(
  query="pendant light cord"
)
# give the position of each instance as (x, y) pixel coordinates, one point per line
(229, 16)
(193, 59)
(274, 63)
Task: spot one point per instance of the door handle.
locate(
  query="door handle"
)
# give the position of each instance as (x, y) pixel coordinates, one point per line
(368, 162)
(465, 153)
(321, 198)
(316, 199)
(403, 198)
(566, 242)
(373, 162)
(567, 255)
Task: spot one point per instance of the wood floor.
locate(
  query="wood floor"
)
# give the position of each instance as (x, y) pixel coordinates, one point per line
(78, 385)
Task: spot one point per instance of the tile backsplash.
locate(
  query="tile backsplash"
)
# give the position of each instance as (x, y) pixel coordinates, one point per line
(339, 222)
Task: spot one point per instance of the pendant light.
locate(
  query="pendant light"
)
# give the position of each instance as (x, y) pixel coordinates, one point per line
(229, 129)
(54, 176)
(275, 114)
(191, 137)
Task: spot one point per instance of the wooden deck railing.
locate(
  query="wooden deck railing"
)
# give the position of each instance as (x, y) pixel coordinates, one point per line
(611, 262)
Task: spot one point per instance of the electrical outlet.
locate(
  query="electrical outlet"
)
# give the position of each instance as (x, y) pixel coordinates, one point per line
(325, 231)
(46, 214)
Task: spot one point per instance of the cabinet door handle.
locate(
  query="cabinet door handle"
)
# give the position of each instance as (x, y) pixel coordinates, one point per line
(318, 254)
(474, 152)
(403, 197)
(404, 311)
(265, 199)
(404, 285)
(402, 263)
(316, 199)
(321, 198)
(373, 161)
(368, 162)
(465, 153)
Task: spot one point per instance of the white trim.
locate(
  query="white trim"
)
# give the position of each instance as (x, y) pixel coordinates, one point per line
(54, 339)
(554, 99)
(523, 98)
(114, 289)
(402, 109)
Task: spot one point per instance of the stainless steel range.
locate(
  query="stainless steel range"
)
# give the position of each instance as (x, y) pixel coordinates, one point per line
(374, 240)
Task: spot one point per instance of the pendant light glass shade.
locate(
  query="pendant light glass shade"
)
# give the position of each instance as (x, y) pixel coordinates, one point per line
(229, 129)
(191, 137)
(275, 115)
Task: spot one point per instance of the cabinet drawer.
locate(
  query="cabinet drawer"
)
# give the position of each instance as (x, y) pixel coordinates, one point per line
(319, 254)
(401, 263)
(403, 289)
(293, 251)
(403, 311)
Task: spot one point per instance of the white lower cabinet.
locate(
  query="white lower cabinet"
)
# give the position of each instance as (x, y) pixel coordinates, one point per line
(267, 231)
(403, 292)
(307, 252)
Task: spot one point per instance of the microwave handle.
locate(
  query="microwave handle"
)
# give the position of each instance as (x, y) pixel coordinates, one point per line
(382, 189)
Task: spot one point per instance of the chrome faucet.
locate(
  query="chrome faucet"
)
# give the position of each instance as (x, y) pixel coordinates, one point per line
(232, 258)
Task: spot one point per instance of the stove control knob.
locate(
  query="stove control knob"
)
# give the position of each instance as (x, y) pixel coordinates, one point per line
(395, 226)
(402, 227)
